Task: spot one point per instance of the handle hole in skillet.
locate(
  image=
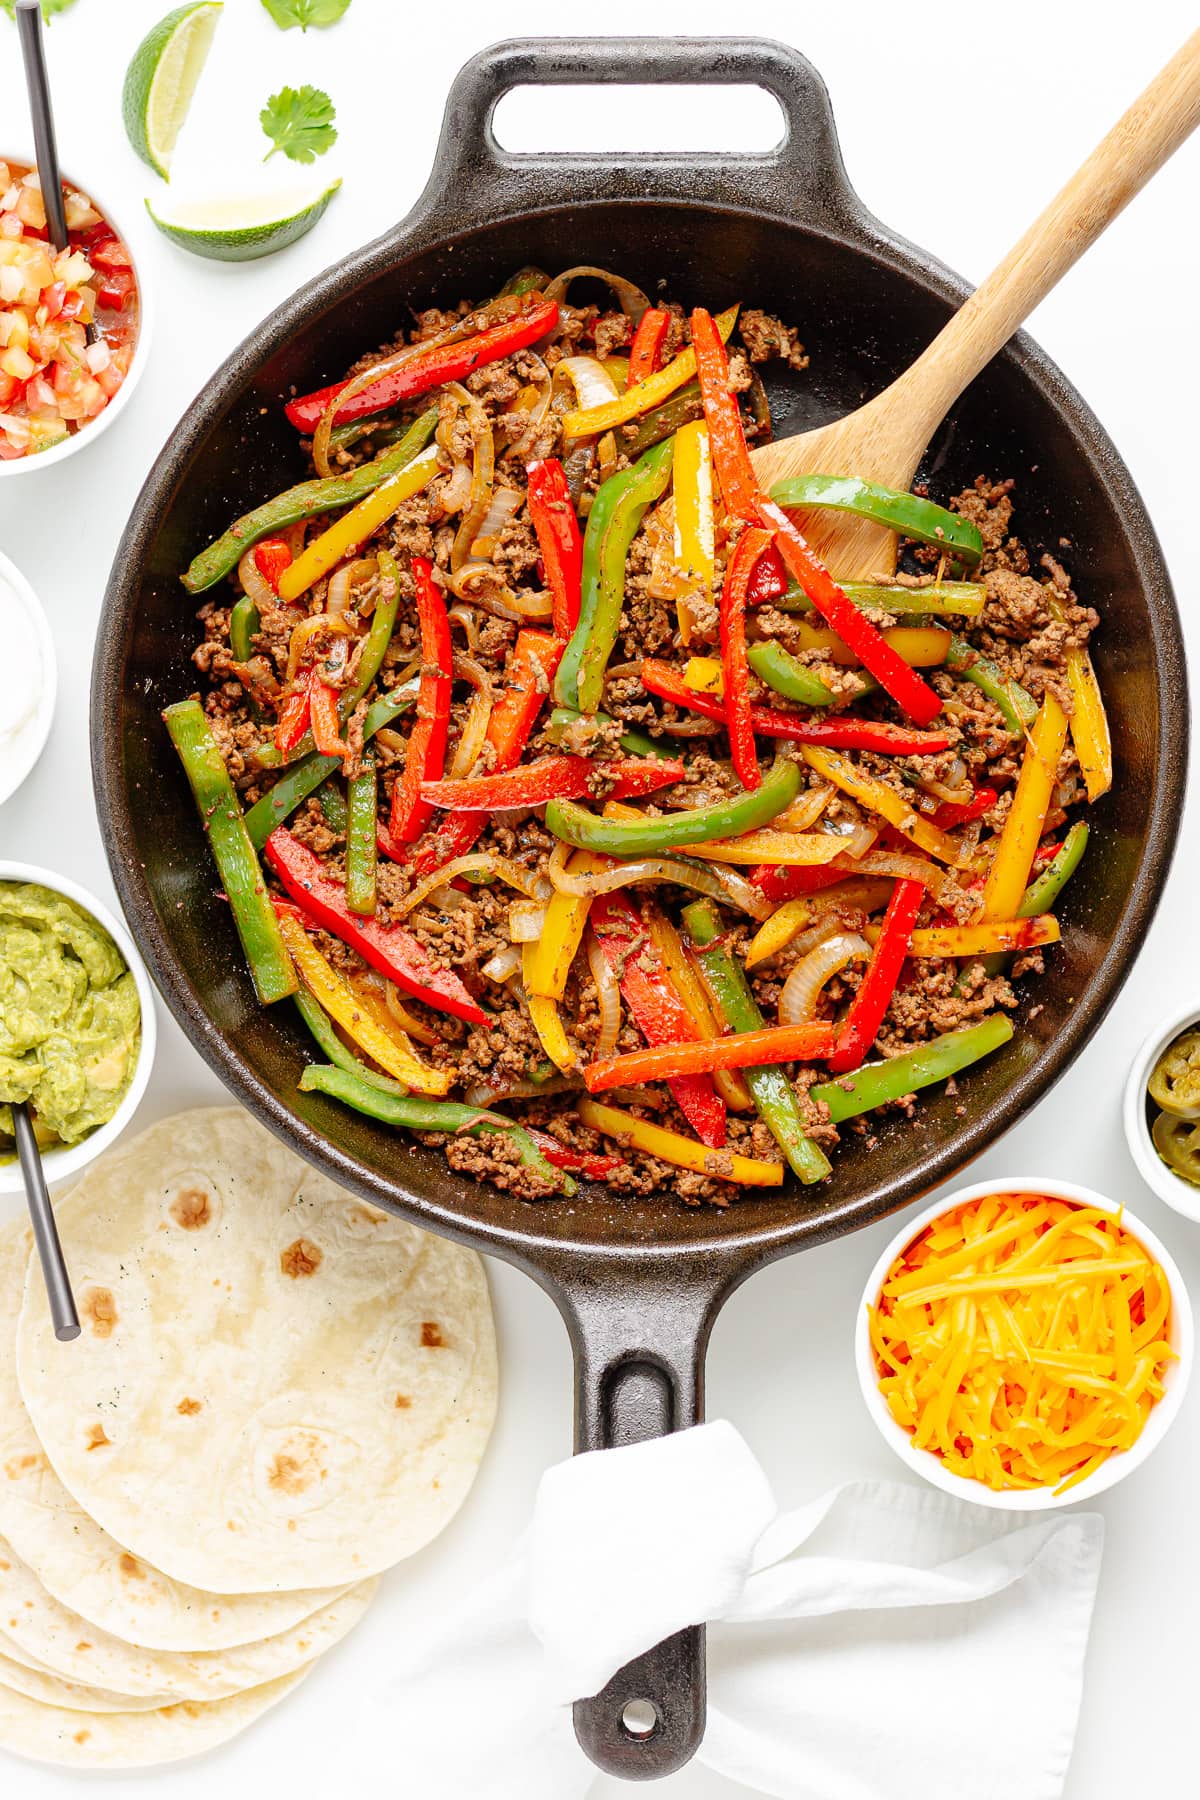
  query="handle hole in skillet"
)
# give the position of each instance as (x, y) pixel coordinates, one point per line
(600, 120)
(639, 1719)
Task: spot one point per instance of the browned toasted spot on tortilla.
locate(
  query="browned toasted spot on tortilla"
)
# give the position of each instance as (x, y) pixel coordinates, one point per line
(83, 1644)
(96, 1437)
(16, 1466)
(295, 1471)
(187, 1406)
(301, 1258)
(99, 1310)
(81, 1737)
(431, 1337)
(191, 1209)
(402, 1402)
(129, 1565)
(291, 1524)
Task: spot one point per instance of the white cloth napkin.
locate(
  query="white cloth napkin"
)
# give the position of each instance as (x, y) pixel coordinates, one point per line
(880, 1643)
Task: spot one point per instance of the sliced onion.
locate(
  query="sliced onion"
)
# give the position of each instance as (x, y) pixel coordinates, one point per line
(606, 455)
(592, 383)
(484, 586)
(859, 841)
(632, 301)
(342, 583)
(526, 921)
(482, 1095)
(483, 470)
(804, 812)
(474, 732)
(309, 628)
(505, 502)
(537, 408)
(712, 879)
(465, 618)
(483, 861)
(506, 962)
(254, 582)
(798, 1001)
(455, 492)
(608, 998)
(939, 881)
(414, 1027)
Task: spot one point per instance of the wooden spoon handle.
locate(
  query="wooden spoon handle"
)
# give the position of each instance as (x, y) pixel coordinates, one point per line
(1118, 168)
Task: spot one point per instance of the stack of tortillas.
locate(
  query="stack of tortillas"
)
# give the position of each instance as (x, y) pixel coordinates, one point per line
(279, 1392)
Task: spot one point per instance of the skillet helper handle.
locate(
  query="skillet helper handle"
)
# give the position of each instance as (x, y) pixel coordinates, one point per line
(639, 1348)
(801, 177)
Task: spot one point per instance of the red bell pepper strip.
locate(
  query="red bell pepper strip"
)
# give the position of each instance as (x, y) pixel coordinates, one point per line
(657, 1009)
(783, 881)
(951, 813)
(271, 558)
(554, 778)
(862, 1022)
(680, 1061)
(535, 658)
(323, 716)
(738, 712)
(426, 756)
(450, 362)
(911, 693)
(595, 1167)
(769, 580)
(731, 459)
(646, 349)
(842, 733)
(391, 949)
(552, 512)
(292, 722)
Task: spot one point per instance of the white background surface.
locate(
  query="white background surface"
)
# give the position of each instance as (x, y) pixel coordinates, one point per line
(957, 123)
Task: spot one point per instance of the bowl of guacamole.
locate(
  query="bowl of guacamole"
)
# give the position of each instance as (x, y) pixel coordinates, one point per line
(76, 1021)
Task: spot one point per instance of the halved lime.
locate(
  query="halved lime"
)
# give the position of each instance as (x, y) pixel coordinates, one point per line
(239, 230)
(162, 77)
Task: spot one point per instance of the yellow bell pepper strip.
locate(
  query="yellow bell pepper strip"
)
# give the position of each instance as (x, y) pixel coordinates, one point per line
(237, 864)
(920, 646)
(1089, 721)
(981, 939)
(321, 1026)
(354, 527)
(683, 976)
(429, 1115)
(705, 675)
(695, 526)
(772, 1092)
(644, 394)
(673, 1147)
(786, 849)
(546, 962)
(876, 1083)
(1004, 888)
(777, 932)
(547, 1022)
(883, 800)
(700, 1056)
(646, 836)
(391, 1050)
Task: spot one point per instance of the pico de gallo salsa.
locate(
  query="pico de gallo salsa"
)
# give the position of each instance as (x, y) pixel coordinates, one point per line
(56, 375)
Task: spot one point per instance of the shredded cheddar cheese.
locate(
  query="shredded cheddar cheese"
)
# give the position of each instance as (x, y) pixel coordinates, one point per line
(1022, 1340)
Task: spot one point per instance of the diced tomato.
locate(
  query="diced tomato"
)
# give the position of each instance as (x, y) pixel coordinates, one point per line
(116, 290)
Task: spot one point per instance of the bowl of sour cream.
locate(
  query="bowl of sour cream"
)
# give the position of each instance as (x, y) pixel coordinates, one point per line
(28, 678)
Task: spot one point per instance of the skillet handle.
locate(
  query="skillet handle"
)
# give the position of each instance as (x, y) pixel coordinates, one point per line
(802, 177)
(639, 1348)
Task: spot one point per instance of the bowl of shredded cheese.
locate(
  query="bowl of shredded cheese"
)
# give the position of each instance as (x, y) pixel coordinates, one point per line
(1024, 1344)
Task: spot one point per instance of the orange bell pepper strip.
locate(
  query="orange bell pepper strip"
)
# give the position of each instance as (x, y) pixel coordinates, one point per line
(862, 1022)
(683, 1060)
(731, 459)
(739, 722)
(1004, 888)
(323, 716)
(646, 350)
(292, 721)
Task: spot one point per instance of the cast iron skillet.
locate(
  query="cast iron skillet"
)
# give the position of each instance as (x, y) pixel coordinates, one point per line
(639, 1283)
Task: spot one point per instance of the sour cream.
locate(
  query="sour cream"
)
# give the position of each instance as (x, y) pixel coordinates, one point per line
(27, 679)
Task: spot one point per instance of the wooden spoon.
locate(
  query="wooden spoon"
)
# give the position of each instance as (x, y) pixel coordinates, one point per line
(885, 439)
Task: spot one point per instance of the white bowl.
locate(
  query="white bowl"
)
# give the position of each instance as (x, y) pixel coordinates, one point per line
(1123, 1462)
(32, 740)
(70, 1158)
(1178, 1193)
(94, 428)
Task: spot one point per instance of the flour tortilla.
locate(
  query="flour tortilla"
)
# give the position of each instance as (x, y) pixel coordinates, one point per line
(277, 1386)
(76, 1560)
(52, 1690)
(34, 1626)
(129, 1740)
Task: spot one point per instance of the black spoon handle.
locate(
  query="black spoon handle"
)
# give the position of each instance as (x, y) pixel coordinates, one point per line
(29, 26)
(54, 1267)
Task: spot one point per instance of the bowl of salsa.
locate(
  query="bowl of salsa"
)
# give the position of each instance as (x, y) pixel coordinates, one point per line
(73, 324)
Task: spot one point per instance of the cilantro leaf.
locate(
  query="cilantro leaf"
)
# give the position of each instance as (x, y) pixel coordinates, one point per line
(51, 7)
(299, 121)
(289, 13)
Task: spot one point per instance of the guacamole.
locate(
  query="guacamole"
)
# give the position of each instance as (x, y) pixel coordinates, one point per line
(70, 1022)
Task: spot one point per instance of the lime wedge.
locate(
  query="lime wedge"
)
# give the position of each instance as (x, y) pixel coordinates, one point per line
(239, 230)
(162, 77)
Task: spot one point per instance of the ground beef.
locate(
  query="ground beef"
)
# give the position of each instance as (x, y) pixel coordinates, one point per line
(765, 337)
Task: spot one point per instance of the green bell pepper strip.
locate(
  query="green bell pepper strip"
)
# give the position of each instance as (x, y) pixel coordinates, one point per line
(362, 815)
(525, 281)
(789, 677)
(307, 501)
(652, 836)
(564, 719)
(384, 428)
(770, 1088)
(965, 598)
(304, 778)
(321, 1026)
(375, 644)
(429, 1115)
(237, 864)
(612, 525)
(665, 420)
(876, 1083)
(908, 514)
(333, 805)
(1041, 894)
(244, 621)
(1019, 708)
